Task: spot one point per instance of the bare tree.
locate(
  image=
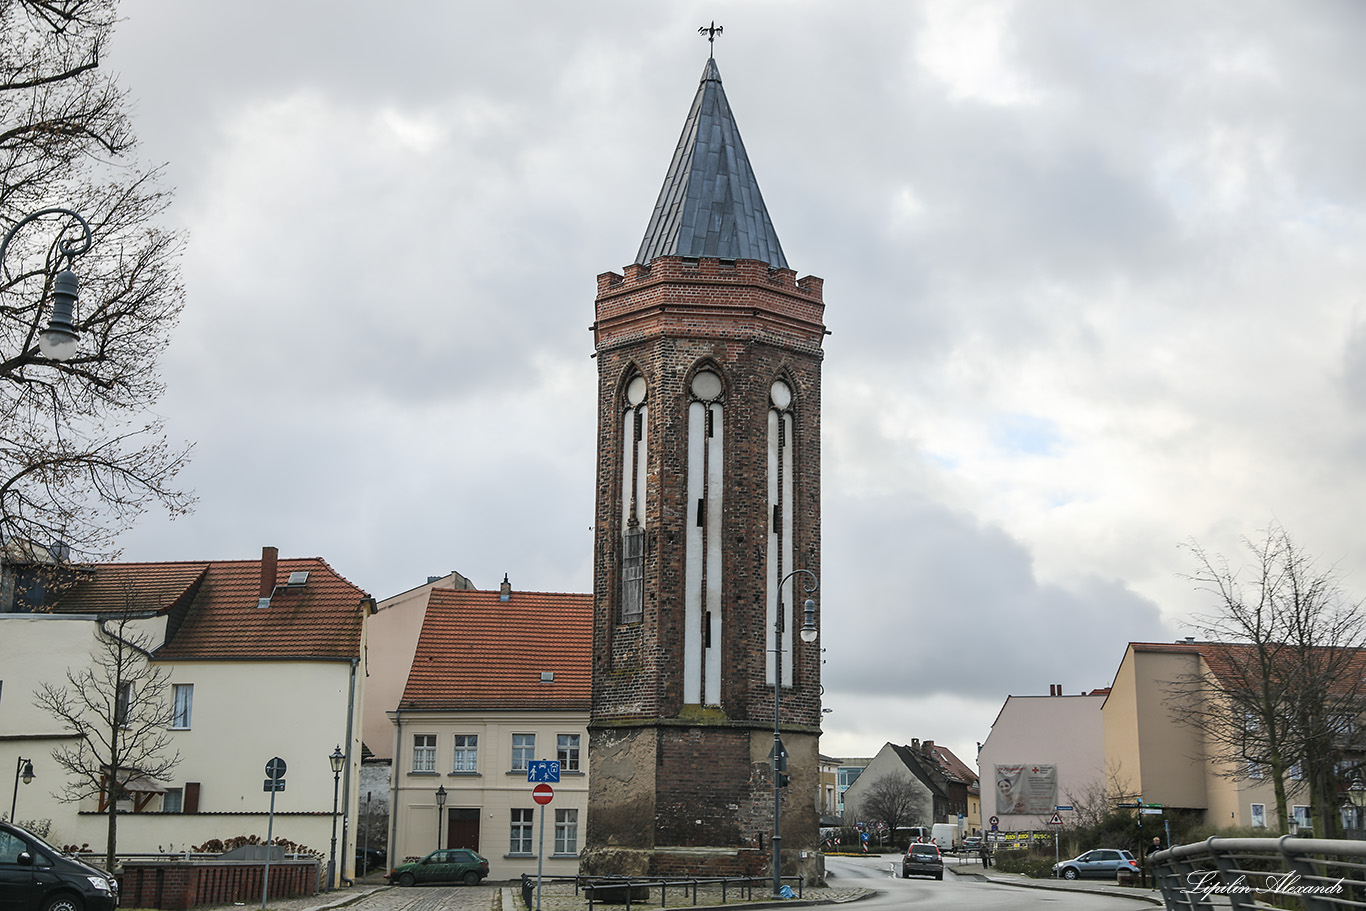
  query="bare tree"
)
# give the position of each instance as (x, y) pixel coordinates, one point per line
(1282, 679)
(80, 458)
(893, 800)
(118, 710)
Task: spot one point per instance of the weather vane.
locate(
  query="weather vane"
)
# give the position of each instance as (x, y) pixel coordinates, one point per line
(711, 31)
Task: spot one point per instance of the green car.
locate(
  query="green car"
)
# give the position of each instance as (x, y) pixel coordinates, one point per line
(454, 865)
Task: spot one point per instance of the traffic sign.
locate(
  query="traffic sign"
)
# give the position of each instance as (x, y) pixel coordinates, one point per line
(275, 769)
(543, 770)
(1056, 820)
(994, 820)
(1061, 808)
(1151, 811)
(543, 794)
(274, 784)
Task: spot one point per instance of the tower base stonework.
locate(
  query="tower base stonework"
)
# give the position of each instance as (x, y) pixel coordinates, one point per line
(690, 800)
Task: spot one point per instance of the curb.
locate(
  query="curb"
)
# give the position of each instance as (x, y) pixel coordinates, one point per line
(1152, 899)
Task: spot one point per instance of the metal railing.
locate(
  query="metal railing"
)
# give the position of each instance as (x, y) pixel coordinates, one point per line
(1263, 874)
(687, 886)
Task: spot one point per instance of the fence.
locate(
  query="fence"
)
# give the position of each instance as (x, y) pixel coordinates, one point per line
(624, 889)
(1263, 874)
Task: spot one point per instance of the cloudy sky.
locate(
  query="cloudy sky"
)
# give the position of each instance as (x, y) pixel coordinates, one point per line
(1095, 274)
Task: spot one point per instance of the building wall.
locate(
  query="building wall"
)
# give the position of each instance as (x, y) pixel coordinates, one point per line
(1063, 731)
(392, 633)
(885, 763)
(494, 790)
(1156, 757)
(244, 714)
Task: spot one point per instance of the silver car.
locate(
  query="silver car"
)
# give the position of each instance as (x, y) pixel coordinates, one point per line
(1102, 863)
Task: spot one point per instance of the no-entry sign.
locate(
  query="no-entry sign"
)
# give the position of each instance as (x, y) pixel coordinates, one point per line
(543, 794)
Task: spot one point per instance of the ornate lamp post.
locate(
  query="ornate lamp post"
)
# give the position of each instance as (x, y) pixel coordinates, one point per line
(23, 769)
(440, 812)
(337, 759)
(808, 632)
(58, 341)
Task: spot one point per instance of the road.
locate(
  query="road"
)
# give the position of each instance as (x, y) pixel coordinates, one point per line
(958, 892)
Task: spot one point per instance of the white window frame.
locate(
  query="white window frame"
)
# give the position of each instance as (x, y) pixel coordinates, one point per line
(424, 753)
(519, 832)
(1258, 816)
(182, 713)
(523, 751)
(466, 753)
(567, 750)
(173, 801)
(567, 831)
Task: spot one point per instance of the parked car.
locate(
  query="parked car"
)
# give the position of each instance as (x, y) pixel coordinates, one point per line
(945, 835)
(37, 876)
(368, 859)
(1103, 863)
(453, 865)
(972, 843)
(922, 859)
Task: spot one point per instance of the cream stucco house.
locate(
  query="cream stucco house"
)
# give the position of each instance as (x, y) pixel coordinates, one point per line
(264, 659)
(498, 679)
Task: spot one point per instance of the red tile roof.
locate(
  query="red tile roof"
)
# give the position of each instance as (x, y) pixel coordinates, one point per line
(213, 608)
(478, 652)
(953, 765)
(107, 588)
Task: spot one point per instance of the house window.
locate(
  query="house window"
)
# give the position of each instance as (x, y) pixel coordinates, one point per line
(124, 704)
(523, 751)
(567, 750)
(520, 840)
(184, 702)
(466, 753)
(424, 752)
(1299, 814)
(172, 800)
(566, 831)
(1259, 816)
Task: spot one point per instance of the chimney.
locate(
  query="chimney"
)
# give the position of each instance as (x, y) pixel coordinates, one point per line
(928, 747)
(505, 590)
(269, 558)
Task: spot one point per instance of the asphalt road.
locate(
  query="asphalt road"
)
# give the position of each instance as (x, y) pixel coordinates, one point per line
(958, 892)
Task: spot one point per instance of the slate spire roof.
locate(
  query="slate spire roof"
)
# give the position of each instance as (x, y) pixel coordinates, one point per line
(710, 204)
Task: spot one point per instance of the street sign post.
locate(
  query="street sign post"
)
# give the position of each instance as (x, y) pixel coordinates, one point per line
(275, 781)
(543, 794)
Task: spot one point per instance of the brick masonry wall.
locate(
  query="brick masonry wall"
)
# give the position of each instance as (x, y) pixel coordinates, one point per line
(752, 325)
(179, 885)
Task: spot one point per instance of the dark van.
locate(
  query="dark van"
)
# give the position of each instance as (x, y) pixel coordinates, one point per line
(34, 876)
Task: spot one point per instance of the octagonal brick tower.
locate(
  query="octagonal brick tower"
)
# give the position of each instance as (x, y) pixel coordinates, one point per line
(708, 493)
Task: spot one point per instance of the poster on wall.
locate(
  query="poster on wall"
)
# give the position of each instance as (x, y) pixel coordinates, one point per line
(1026, 789)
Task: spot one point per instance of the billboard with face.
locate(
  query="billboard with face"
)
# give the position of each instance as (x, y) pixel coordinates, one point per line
(1029, 789)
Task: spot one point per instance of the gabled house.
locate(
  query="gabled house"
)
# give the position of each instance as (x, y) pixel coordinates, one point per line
(264, 659)
(498, 679)
(939, 777)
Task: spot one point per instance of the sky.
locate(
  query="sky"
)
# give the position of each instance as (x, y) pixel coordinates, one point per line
(1094, 275)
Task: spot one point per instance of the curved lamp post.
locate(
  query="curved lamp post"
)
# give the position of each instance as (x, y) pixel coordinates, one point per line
(22, 770)
(337, 759)
(440, 811)
(808, 632)
(58, 340)
(1356, 792)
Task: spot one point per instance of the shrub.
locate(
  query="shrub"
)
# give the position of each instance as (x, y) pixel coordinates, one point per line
(1031, 863)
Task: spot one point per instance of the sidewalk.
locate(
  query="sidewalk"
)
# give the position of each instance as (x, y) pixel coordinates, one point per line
(1103, 887)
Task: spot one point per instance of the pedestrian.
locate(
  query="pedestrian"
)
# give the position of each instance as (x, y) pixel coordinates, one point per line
(1148, 855)
(985, 852)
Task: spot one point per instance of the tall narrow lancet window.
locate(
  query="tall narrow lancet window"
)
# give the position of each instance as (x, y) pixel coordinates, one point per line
(634, 448)
(780, 500)
(702, 553)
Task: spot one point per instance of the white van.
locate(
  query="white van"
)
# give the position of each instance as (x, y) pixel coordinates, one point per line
(945, 836)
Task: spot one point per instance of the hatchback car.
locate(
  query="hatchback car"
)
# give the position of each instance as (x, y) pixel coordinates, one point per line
(922, 860)
(1104, 863)
(453, 865)
(34, 875)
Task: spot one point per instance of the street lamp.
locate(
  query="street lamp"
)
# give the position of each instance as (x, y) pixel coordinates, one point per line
(23, 769)
(440, 811)
(808, 633)
(58, 341)
(337, 759)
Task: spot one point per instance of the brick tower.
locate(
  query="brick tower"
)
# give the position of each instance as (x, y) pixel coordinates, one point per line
(708, 494)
